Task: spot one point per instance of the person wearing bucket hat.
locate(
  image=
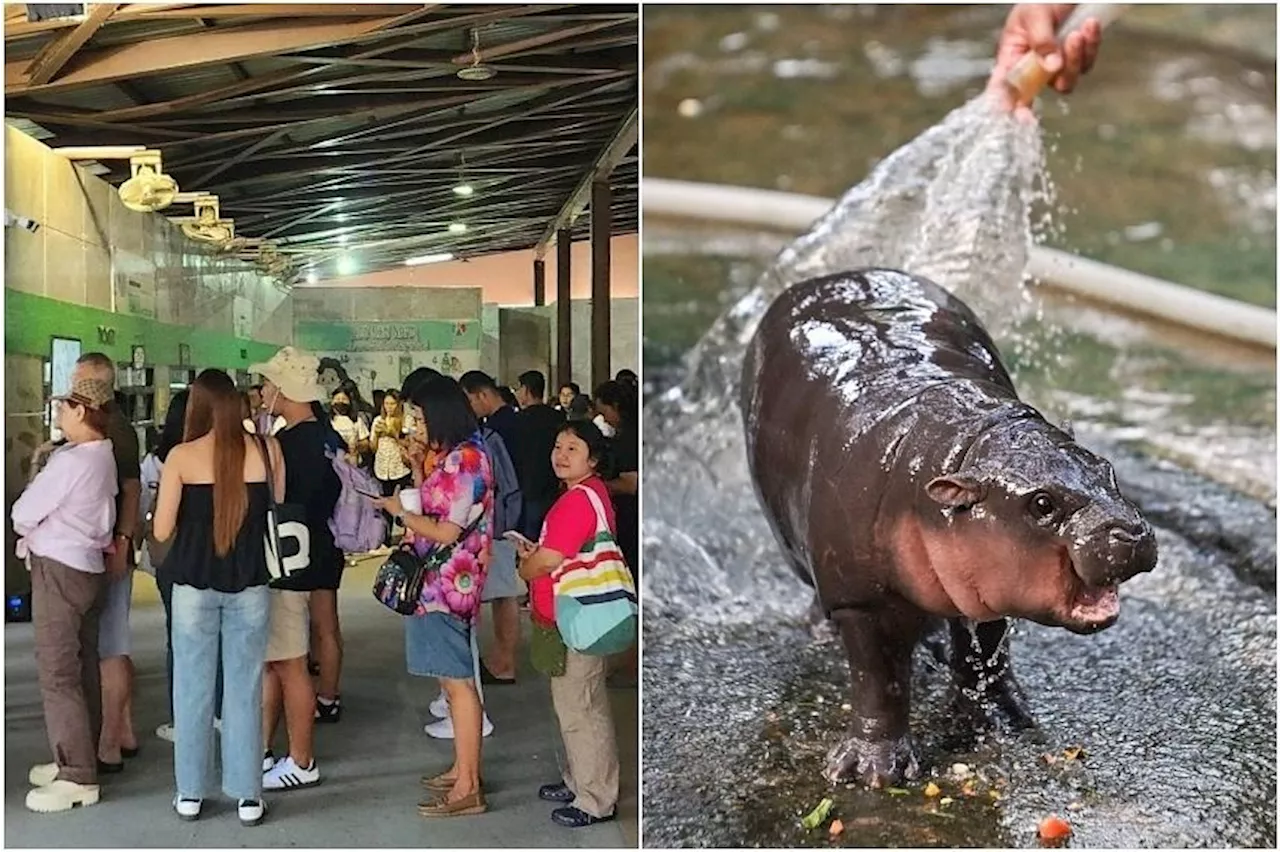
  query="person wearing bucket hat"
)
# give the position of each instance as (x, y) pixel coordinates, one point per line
(289, 389)
(64, 520)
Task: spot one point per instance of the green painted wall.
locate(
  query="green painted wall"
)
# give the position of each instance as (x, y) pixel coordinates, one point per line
(417, 336)
(30, 322)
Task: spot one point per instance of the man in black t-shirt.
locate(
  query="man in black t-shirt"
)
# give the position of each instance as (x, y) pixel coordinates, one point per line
(502, 587)
(289, 389)
(539, 424)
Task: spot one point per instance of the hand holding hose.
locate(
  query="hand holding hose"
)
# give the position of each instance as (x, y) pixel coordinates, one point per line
(1032, 28)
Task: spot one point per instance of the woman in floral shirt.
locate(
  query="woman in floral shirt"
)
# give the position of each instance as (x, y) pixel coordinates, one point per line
(453, 534)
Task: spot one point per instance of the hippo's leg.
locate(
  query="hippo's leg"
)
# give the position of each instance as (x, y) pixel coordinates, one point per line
(879, 751)
(986, 690)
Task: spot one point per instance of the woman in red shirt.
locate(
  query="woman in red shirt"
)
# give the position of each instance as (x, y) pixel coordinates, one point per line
(589, 790)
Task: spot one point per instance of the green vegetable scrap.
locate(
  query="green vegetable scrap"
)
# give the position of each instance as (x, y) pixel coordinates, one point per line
(818, 815)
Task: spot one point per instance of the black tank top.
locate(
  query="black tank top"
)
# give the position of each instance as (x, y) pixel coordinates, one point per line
(192, 561)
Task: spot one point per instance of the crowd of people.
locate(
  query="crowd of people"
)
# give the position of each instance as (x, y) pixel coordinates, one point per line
(486, 486)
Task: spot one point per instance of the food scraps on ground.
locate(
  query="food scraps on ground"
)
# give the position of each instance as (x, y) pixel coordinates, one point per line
(961, 770)
(1054, 828)
(818, 815)
(1074, 753)
(931, 790)
(836, 827)
(897, 791)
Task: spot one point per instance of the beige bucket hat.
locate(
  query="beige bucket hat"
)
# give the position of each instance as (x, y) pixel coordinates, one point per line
(294, 371)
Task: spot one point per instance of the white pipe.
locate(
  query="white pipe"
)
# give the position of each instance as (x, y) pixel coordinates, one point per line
(1102, 282)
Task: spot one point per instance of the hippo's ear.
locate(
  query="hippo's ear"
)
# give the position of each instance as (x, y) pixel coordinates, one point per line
(958, 491)
(1069, 429)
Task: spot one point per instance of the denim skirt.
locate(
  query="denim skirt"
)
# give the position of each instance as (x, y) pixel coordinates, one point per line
(439, 645)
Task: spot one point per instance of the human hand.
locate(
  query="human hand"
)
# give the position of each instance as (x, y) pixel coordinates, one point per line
(118, 559)
(391, 505)
(1032, 28)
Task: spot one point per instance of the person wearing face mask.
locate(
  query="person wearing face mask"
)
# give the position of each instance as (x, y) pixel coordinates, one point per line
(588, 791)
(350, 425)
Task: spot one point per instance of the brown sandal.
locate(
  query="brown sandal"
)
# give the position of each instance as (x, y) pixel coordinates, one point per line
(466, 806)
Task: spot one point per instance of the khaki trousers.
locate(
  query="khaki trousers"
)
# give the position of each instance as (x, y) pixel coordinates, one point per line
(586, 725)
(65, 604)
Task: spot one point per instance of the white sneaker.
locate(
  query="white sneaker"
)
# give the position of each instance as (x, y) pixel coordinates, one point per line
(440, 707)
(42, 775)
(61, 796)
(166, 732)
(443, 730)
(251, 811)
(187, 809)
(288, 775)
(268, 761)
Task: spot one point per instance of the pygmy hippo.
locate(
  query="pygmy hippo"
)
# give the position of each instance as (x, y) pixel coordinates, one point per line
(907, 483)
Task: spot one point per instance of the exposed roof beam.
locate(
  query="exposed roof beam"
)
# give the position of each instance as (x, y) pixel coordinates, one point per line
(211, 47)
(622, 141)
(54, 55)
(214, 11)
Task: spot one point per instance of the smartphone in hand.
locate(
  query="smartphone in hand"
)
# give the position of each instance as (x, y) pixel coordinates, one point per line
(518, 539)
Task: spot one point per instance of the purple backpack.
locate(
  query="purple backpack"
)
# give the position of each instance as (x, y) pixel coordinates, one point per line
(357, 525)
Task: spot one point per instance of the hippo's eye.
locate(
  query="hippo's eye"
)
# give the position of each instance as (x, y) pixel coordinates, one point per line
(1042, 505)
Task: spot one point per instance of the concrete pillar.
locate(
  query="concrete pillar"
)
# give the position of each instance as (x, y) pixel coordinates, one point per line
(601, 226)
(564, 313)
(539, 283)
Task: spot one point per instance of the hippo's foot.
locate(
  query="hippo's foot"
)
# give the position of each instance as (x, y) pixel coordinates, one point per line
(1000, 706)
(873, 762)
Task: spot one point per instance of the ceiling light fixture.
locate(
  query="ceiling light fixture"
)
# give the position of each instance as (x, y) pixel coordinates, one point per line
(346, 265)
(312, 278)
(476, 71)
(457, 228)
(342, 239)
(442, 257)
(341, 217)
(464, 190)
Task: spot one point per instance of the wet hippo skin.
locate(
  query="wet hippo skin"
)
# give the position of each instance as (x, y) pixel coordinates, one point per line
(906, 482)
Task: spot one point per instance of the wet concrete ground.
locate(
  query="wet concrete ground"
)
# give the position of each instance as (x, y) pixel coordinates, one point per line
(371, 760)
(1174, 706)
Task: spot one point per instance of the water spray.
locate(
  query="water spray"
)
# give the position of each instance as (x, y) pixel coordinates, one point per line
(1028, 77)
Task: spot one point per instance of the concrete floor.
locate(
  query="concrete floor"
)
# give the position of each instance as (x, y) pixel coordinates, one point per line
(371, 761)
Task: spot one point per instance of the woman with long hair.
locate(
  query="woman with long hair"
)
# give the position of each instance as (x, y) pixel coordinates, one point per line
(454, 530)
(350, 424)
(389, 467)
(213, 502)
(64, 520)
(588, 791)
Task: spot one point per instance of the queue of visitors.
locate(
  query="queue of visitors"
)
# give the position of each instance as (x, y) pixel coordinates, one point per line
(235, 510)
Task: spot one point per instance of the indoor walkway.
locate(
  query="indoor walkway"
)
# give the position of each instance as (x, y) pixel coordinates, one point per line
(371, 761)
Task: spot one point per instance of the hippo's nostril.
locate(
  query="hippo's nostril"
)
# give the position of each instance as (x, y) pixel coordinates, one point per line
(1124, 536)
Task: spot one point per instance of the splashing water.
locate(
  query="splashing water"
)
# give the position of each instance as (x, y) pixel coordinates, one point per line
(954, 205)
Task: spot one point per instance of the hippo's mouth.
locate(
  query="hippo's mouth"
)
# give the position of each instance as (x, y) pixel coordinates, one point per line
(1091, 608)
(1095, 606)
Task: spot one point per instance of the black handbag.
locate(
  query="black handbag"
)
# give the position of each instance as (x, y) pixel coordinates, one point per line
(398, 584)
(288, 538)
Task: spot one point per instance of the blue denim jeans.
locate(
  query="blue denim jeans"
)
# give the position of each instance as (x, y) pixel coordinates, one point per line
(165, 585)
(202, 620)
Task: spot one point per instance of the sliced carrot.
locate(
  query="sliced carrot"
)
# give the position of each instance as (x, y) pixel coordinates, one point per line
(836, 827)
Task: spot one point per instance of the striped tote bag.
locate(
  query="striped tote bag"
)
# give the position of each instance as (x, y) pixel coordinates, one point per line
(595, 593)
